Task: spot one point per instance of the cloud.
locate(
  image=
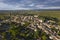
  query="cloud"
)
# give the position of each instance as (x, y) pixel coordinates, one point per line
(54, 1)
(29, 4)
(1, 0)
(51, 1)
(53, 7)
(4, 6)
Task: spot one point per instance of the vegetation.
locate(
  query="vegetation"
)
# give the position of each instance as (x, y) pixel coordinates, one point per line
(21, 32)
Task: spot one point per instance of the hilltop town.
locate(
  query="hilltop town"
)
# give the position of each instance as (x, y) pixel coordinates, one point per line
(32, 23)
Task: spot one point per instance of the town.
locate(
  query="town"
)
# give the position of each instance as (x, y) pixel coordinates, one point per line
(34, 23)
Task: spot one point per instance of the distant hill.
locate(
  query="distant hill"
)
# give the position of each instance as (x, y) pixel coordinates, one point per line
(30, 10)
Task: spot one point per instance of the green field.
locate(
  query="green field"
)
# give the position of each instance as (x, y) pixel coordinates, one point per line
(55, 14)
(47, 13)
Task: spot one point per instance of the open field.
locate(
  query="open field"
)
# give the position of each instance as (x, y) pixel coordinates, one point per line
(47, 13)
(41, 13)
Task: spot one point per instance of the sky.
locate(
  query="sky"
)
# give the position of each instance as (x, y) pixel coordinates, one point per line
(29, 4)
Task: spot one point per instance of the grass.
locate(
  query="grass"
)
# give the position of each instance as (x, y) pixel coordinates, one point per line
(41, 13)
(47, 13)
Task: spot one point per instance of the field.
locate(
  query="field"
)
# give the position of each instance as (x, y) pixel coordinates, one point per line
(41, 13)
(47, 13)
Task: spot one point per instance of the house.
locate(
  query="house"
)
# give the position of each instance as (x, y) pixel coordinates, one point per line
(35, 15)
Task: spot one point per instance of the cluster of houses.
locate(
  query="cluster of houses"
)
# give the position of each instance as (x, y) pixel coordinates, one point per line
(35, 23)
